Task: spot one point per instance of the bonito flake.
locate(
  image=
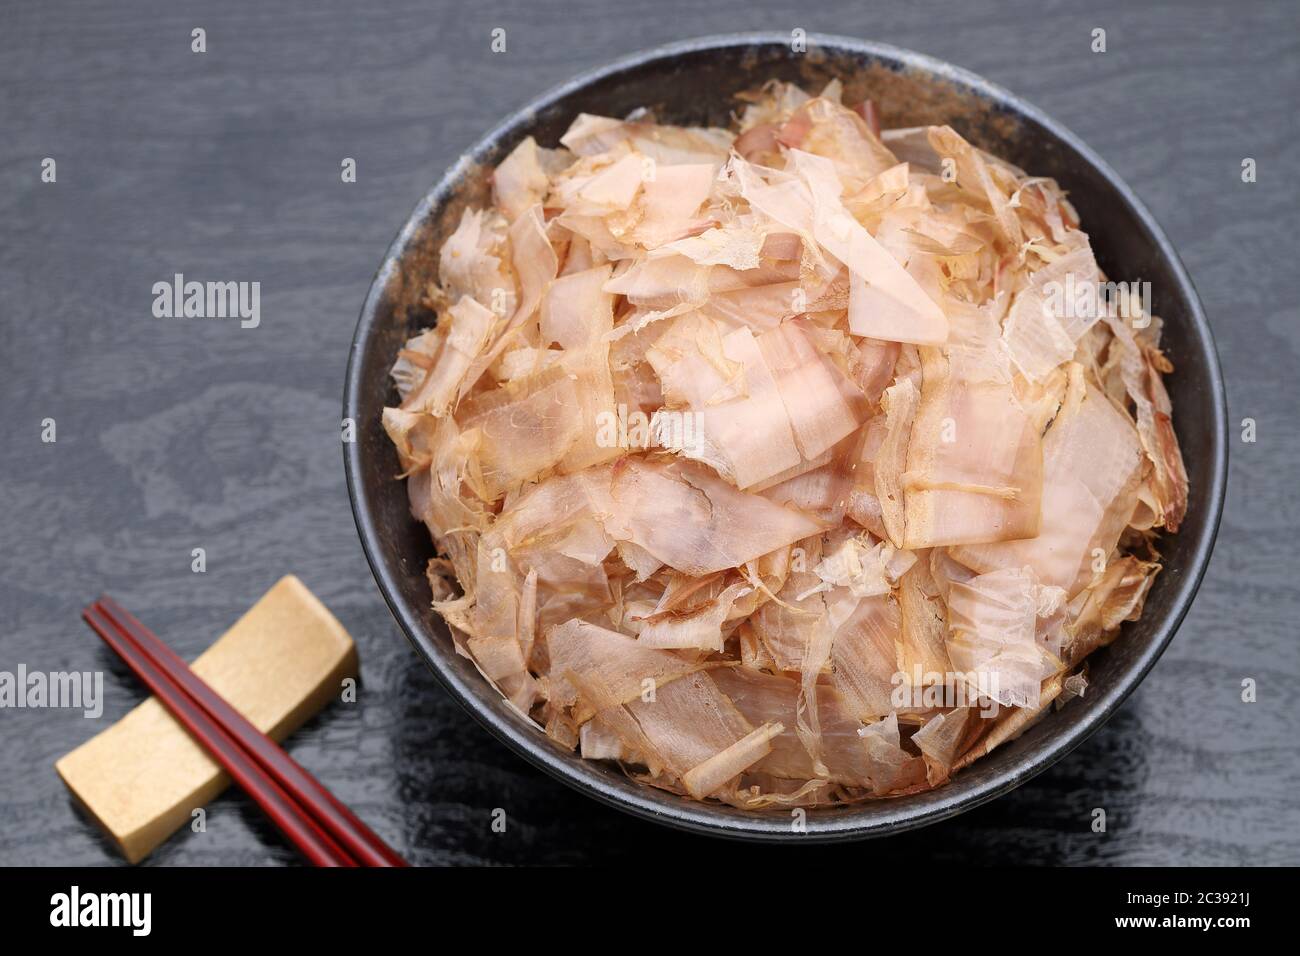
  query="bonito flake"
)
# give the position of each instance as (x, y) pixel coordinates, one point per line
(792, 464)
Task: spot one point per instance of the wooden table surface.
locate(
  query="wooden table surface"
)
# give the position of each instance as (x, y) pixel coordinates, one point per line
(176, 435)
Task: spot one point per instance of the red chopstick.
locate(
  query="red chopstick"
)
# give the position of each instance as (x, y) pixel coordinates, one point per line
(321, 826)
(330, 812)
(292, 821)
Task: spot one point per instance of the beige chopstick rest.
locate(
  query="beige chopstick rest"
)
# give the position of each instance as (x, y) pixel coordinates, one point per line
(280, 664)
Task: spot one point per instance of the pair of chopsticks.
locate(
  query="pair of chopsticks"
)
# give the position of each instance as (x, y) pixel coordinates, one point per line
(315, 821)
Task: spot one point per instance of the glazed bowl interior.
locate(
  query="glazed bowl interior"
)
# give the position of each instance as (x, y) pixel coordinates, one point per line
(695, 83)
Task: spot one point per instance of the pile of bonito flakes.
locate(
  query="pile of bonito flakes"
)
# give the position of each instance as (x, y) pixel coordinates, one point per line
(794, 464)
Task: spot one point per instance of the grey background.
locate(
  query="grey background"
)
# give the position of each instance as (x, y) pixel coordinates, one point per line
(181, 434)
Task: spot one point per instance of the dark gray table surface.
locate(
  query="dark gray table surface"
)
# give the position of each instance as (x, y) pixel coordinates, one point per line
(177, 435)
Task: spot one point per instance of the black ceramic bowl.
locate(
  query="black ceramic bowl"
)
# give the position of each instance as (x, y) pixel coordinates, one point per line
(694, 83)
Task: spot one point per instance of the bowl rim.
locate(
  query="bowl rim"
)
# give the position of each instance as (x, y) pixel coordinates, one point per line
(871, 819)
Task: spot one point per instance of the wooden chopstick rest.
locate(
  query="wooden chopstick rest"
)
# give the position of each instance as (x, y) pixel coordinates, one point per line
(278, 665)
